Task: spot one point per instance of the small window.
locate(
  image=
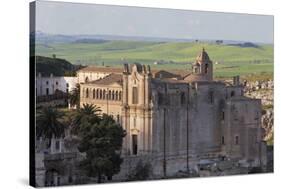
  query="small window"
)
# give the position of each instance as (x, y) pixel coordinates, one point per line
(103, 94)
(47, 91)
(135, 144)
(94, 93)
(57, 145)
(120, 95)
(47, 82)
(58, 181)
(116, 95)
(97, 95)
(206, 68)
(113, 95)
(57, 83)
(232, 93)
(222, 140)
(135, 95)
(160, 99)
(87, 93)
(236, 140)
(222, 115)
(67, 85)
(109, 95)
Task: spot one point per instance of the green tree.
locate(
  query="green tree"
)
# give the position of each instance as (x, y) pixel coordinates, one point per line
(101, 140)
(88, 113)
(74, 96)
(49, 123)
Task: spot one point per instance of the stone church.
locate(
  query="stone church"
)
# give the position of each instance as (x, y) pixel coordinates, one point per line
(178, 121)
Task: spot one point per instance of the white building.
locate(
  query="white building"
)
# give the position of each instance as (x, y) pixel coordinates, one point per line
(48, 85)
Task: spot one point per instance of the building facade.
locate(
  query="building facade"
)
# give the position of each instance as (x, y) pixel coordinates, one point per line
(178, 121)
(49, 85)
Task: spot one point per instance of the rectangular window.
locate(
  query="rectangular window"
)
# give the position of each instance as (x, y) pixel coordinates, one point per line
(160, 99)
(47, 91)
(58, 181)
(135, 144)
(236, 140)
(222, 140)
(57, 145)
(222, 115)
(135, 95)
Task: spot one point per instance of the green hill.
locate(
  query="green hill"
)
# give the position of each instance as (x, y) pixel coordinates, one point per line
(55, 66)
(229, 59)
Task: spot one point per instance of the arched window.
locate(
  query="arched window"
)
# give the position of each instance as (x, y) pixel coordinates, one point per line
(116, 95)
(97, 94)
(109, 95)
(113, 95)
(94, 93)
(103, 94)
(232, 93)
(206, 68)
(120, 95)
(100, 94)
(87, 93)
(135, 95)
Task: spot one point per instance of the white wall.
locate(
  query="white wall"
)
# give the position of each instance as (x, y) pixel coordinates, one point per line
(65, 84)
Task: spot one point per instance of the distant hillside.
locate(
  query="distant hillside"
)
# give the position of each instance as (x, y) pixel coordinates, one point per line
(229, 60)
(96, 41)
(55, 66)
(247, 44)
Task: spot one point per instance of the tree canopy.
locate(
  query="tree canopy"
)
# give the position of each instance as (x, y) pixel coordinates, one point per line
(101, 141)
(49, 123)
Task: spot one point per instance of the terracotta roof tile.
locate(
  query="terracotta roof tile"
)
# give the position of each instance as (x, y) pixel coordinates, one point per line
(111, 78)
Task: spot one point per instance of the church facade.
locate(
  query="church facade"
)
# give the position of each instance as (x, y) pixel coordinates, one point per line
(177, 120)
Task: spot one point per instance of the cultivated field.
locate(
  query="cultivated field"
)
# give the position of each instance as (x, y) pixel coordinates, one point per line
(229, 60)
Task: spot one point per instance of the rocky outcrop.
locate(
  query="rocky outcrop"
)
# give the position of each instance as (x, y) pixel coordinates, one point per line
(263, 90)
(267, 123)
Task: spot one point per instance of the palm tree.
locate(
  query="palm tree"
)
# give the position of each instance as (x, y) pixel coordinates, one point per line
(89, 113)
(74, 96)
(49, 123)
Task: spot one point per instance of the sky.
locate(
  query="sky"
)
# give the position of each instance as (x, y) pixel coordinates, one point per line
(92, 19)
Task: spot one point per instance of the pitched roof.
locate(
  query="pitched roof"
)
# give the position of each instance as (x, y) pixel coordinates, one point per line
(109, 79)
(196, 77)
(101, 69)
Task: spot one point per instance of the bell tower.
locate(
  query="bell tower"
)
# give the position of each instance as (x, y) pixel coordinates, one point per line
(203, 65)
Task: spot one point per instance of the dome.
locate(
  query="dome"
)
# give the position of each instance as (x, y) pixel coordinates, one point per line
(203, 56)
